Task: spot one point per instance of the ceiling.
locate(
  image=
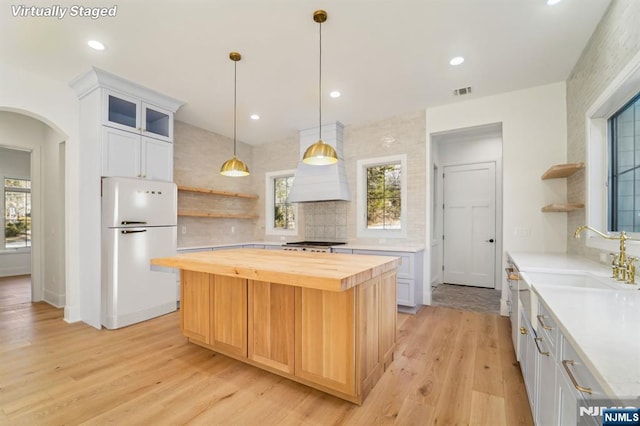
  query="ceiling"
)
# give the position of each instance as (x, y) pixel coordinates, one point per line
(387, 57)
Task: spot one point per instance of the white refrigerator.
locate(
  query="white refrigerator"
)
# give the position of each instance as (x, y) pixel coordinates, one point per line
(138, 223)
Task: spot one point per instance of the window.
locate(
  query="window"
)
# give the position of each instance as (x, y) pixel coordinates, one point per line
(280, 215)
(17, 213)
(624, 168)
(382, 197)
(283, 212)
(607, 201)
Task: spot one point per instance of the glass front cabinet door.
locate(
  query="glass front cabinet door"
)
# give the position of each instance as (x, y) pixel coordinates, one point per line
(158, 122)
(128, 113)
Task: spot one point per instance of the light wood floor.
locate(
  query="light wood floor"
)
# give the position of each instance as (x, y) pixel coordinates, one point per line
(15, 290)
(452, 368)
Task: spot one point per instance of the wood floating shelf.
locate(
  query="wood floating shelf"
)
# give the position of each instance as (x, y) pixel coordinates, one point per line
(565, 207)
(218, 215)
(562, 170)
(216, 192)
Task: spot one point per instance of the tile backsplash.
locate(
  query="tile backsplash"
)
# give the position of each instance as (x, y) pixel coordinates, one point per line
(326, 221)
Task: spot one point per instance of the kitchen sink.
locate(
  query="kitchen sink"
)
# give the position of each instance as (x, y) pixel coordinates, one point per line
(582, 280)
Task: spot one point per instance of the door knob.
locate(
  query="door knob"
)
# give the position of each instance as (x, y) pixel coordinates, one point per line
(489, 240)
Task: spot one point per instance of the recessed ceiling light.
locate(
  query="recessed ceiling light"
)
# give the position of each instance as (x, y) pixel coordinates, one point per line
(255, 117)
(335, 94)
(95, 44)
(457, 60)
(552, 2)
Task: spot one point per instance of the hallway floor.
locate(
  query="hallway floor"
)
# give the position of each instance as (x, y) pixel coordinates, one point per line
(15, 290)
(466, 298)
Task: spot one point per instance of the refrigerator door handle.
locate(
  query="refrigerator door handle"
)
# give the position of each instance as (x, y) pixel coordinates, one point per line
(126, 222)
(133, 231)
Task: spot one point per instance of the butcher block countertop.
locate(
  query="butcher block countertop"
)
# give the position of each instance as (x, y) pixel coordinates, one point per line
(322, 271)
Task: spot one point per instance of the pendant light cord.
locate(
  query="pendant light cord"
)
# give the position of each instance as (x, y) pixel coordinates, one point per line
(235, 89)
(320, 87)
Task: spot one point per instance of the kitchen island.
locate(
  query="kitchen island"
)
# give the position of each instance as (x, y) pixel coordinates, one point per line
(326, 320)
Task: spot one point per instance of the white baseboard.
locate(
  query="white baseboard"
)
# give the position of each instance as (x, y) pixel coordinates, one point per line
(504, 308)
(9, 271)
(54, 299)
(72, 314)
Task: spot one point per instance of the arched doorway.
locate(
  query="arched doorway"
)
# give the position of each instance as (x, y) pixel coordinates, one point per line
(45, 145)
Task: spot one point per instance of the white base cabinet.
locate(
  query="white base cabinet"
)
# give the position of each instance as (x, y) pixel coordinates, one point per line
(527, 357)
(555, 376)
(410, 273)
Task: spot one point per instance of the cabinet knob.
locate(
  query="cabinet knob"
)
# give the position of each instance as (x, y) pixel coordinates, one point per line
(523, 330)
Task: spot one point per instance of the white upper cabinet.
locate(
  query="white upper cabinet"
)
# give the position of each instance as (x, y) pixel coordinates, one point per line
(135, 115)
(133, 124)
(129, 154)
(156, 159)
(121, 153)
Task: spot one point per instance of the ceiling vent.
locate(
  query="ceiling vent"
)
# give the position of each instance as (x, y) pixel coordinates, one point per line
(462, 91)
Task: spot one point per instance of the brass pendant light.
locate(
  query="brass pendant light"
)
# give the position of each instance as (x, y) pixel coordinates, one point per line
(234, 167)
(320, 153)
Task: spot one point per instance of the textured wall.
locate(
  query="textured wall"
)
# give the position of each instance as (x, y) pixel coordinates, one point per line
(402, 134)
(336, 220)
(272, 157)
(197, 157)
(614, 42)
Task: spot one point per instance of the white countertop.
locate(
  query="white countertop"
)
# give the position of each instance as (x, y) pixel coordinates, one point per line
(561, 262)
(405, 248)
(212, 246)
(603, 326)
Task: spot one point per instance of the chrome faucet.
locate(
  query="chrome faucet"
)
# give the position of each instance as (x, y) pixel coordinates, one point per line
(623, 268)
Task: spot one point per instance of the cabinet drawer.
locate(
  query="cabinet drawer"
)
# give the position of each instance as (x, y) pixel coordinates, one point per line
(572, 367)
(405, 269)
(547, 329)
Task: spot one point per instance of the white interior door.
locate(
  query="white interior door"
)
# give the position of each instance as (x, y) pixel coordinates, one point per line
(470, 224)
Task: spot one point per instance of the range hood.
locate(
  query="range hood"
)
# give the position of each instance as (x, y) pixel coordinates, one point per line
(320, 183)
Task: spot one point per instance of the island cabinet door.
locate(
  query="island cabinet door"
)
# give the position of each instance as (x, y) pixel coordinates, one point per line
(271, 325)
(388, 317)
(194, 305)
(368, 352)
(325, 338)
(229, 315)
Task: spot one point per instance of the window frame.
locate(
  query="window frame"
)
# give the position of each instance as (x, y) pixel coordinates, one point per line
(5, 189)
(362, 166)
(622, 89)
(269, 204)
(613, 184)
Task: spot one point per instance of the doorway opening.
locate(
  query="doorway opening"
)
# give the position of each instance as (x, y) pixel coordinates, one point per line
(15, 246)
(467, 218)
(32, 196)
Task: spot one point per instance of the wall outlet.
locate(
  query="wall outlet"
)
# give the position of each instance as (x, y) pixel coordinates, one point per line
(604, 258)
(183, 229)
(233, 229)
